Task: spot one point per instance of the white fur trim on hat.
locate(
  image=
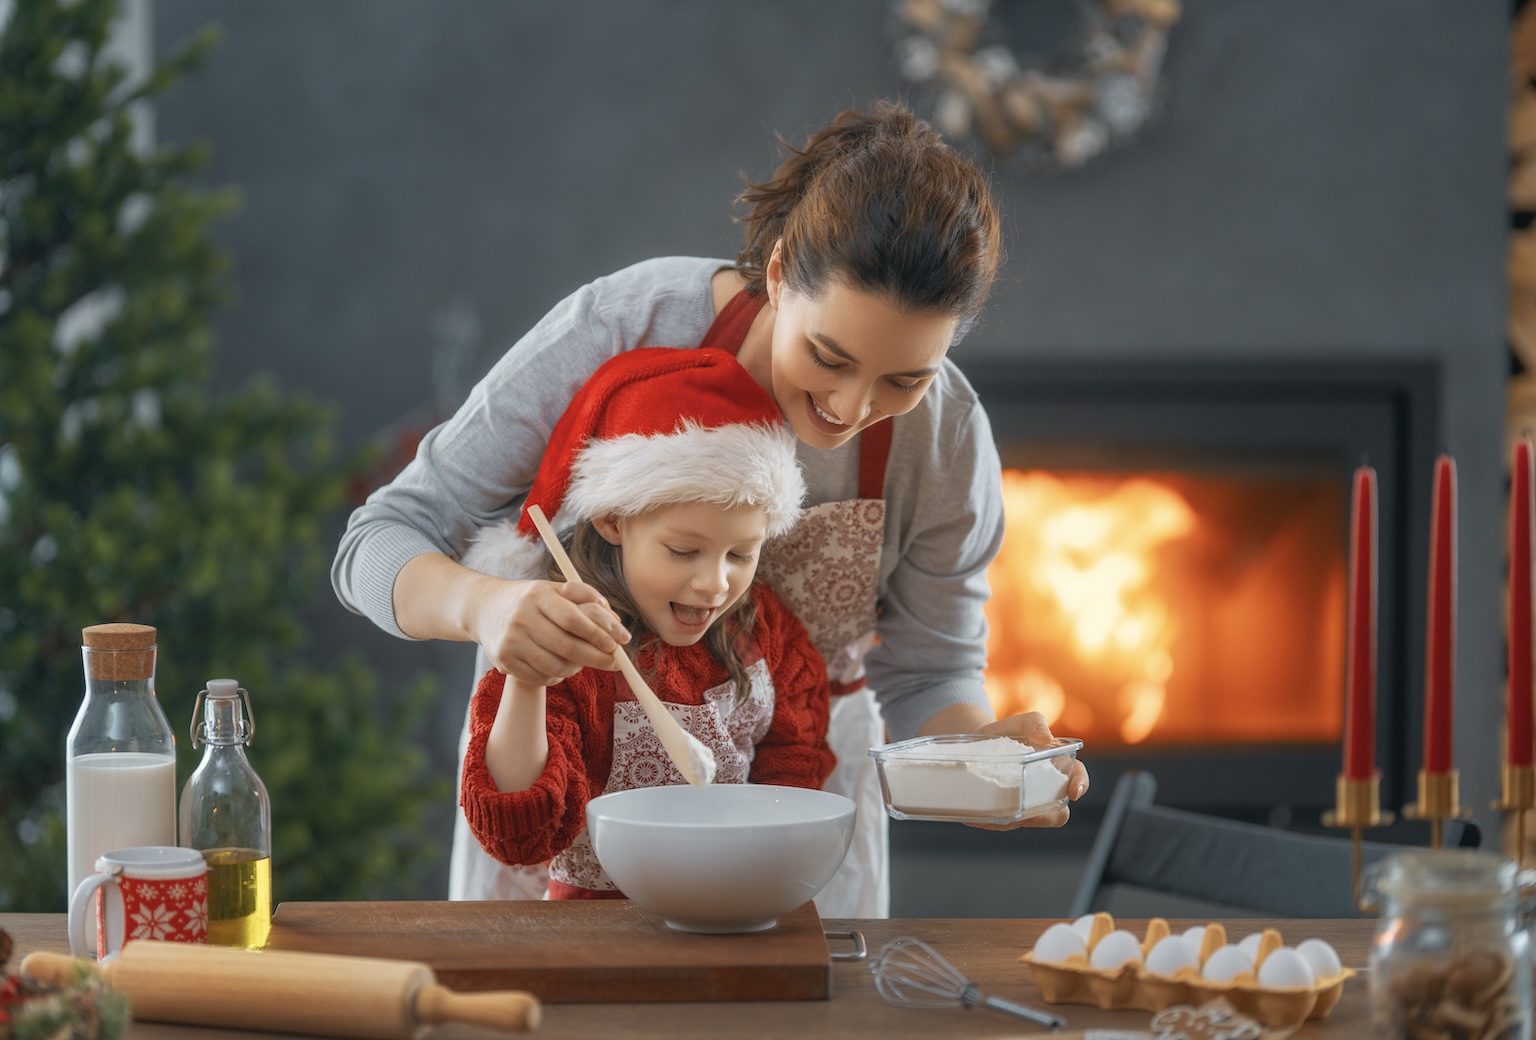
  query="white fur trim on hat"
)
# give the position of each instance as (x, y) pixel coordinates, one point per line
(731, 465)
(503, 552)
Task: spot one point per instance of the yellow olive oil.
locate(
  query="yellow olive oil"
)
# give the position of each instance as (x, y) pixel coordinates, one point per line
(239, 897)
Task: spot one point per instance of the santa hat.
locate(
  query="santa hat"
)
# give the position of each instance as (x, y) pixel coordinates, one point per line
(653, 427)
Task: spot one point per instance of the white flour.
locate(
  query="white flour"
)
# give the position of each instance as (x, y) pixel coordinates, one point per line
(700, 766)
(983, 778)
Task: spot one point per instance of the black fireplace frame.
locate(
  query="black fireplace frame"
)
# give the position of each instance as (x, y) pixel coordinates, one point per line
(1199, 414)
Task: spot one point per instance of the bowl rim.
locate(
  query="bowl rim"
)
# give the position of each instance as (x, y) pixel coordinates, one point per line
(838, 807)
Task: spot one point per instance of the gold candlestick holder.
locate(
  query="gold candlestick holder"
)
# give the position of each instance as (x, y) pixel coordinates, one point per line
(1517, 793)
(1357, 805)
(1439, 800)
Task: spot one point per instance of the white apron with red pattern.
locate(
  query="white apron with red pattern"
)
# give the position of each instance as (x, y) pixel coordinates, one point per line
(639, 760)
(827, 571)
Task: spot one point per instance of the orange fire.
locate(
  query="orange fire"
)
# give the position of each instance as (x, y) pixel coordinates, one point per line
(1135, 608)
(1076, 573)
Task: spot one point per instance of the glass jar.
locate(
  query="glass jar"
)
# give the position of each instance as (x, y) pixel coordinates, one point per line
(120, 756)
(227, 816)
(1452, 951)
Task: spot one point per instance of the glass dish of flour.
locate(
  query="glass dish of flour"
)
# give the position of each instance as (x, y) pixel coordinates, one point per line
(974, 777)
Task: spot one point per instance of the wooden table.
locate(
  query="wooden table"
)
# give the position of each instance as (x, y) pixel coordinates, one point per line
(986, 950)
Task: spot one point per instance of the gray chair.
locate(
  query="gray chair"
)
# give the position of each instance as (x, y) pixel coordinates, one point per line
(1244, 866)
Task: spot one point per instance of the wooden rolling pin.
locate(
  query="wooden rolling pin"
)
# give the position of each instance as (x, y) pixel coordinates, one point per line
(288, 992)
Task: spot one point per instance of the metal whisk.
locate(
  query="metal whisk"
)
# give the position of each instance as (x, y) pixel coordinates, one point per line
(910, 973)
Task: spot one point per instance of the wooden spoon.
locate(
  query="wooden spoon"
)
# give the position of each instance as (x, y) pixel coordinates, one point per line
(695, 761)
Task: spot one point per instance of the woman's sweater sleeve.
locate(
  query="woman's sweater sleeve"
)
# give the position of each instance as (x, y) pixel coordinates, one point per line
(526, 826)
(794, 752)
(944, 503)
(474, 468)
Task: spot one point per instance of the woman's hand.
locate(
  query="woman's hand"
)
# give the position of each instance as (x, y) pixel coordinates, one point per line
(1029, 727)
(540, 632)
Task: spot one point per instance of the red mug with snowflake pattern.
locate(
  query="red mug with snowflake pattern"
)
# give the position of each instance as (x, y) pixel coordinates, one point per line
(148, 892)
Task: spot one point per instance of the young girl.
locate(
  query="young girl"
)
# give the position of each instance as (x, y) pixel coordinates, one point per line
(665, 476)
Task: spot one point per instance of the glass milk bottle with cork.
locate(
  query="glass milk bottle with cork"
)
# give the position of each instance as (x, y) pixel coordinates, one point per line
(120, 756)
(227, 816)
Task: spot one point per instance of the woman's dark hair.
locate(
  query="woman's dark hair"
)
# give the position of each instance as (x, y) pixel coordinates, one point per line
(880, 202)
(601, 564)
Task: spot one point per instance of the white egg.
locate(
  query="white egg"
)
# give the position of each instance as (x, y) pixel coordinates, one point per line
(1195, 937)
(1323, 958)
(1250, 945)
(1227, 964)
(1057, 943)
(1285, 969)
(1171, 953)
(1084, 927)
(1117, 948)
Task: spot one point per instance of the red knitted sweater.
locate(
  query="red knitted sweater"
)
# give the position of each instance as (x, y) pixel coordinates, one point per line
(534, 825)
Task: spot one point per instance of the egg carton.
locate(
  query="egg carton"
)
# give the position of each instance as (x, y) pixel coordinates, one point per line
(1131, 986)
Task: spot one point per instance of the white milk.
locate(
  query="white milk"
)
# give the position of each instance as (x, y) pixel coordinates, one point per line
(116, 800)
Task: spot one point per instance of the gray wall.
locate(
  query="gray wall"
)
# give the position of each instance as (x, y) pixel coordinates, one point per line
(423, 180)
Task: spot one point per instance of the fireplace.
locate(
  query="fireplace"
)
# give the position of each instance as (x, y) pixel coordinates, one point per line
(1155, 597)
(1172, 584)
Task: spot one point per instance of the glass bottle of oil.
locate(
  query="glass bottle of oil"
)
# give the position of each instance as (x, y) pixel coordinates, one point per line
(226, 815)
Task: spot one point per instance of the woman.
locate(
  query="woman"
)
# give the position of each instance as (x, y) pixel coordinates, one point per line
(867, 255)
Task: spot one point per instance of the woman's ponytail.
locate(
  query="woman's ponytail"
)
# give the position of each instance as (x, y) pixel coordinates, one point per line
(878, 200)
(770, 203)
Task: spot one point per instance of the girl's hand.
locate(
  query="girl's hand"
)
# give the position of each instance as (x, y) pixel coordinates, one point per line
(541, 632)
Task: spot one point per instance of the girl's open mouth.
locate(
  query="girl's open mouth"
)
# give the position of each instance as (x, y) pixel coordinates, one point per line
(692, 617)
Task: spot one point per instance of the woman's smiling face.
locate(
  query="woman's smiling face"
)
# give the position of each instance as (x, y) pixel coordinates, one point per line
(845, 359)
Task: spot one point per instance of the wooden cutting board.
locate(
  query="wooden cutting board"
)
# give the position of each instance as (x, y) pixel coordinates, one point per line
(569, 951)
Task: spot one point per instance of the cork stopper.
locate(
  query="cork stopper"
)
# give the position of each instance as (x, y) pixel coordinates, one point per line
(119, 652)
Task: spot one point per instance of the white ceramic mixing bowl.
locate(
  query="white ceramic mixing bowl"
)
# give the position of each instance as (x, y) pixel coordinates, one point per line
(721, 858)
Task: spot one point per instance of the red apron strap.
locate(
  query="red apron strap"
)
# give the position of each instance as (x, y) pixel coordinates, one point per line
(727, 332)
(874, 449)
(730, 326)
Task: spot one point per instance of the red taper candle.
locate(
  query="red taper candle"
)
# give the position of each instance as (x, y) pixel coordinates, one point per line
(1440, 642)
(1360, 653)
(1521, 742)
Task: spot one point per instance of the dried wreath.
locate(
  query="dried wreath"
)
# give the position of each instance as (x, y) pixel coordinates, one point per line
(1063, 117)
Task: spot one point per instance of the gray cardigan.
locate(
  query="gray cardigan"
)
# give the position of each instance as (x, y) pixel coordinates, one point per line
(944, 516)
